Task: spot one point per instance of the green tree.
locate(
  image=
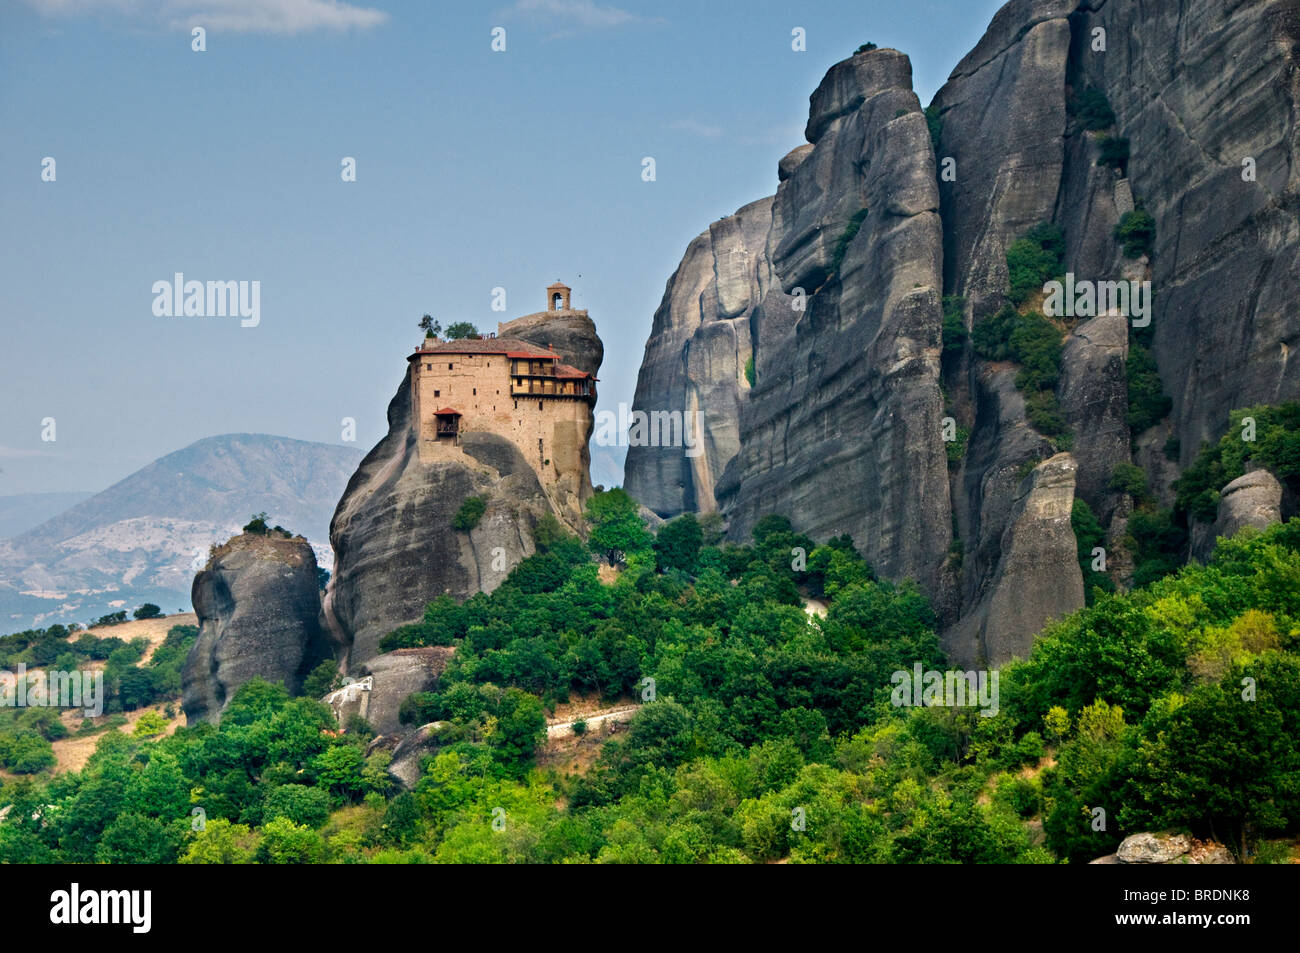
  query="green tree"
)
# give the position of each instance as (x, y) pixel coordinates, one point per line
(617, 530)
(147, 611)
(284, 842)
(469, 514)
(222, 842)
(677, 545)
(461, 330)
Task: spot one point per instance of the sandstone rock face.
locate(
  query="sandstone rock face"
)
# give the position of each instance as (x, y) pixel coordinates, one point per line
(385, 682)
(394, 544)
(1253, 499)
(1093, 393)
(836, 431)
(841, 432)
(257, 603)
(1226, 265)
(1037, 579)
(695, 361)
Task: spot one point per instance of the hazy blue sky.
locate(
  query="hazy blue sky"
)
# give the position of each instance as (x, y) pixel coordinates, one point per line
(475, 169)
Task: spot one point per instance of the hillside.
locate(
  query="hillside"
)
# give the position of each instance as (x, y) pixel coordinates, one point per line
(143, 538)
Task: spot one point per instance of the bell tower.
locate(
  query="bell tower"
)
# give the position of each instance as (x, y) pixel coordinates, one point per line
(557, 297)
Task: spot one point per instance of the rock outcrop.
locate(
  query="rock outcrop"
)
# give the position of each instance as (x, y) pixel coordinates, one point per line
(841, 431)
(836, 432)
(257, 604)
(384, 682)
(1147, 848)
(1094, 401)
(695, 361)
(1038, 575)
(394, 544)
(1253, 499)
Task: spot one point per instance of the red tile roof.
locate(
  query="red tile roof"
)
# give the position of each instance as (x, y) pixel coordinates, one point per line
(447, 410)
(567, 372)
(511, 347)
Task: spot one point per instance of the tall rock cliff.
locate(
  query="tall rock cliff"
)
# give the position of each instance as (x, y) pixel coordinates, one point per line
(838, 430)
(395, 547)
(696, 357)
(833, 289)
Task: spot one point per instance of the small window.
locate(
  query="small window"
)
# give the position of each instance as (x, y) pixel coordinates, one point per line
(428, 367)
(475, 391)
(516, 405)
(539, 405)
(540, 452)
(449, 366)
(437, 393)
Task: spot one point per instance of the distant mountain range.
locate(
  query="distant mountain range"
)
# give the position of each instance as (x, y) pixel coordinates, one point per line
(143, 538)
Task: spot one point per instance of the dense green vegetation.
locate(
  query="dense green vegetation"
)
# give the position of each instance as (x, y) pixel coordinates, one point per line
(1113, 151)
(934, 122)
(763, 732)
(470, 512)
(1147, 402)
(1136, 230)
(1275, 445)
(26, 733)
(1034, 343)
(1034, 260)
(1093, 109)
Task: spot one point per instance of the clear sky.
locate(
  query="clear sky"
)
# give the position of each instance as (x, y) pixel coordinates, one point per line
(475, 170)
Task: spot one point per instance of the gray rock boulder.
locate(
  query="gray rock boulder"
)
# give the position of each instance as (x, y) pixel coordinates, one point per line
(1148, 848)
(1253, 499)
(257, 603)
(695, 362)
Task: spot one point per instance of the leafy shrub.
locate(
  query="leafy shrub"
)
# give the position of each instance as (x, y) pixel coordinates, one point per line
(1137, 232)
(749, 370)
(1113, 151)
(469, 514)
(934, 121)
(1129, 478)
(1033, 260)
(147, 611)
(1276, 446)
(1147, 402)
(847, 236)
(1093, 109)
(954, 325)
(866, 47)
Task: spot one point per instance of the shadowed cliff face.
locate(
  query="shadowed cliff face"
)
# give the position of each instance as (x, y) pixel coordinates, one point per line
(394, 544)
(838, 431)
